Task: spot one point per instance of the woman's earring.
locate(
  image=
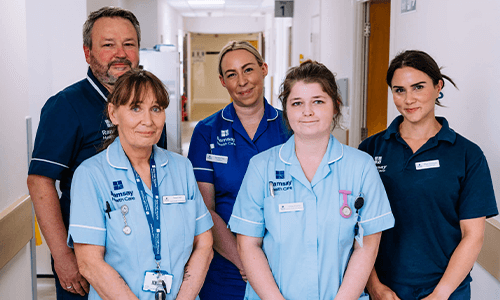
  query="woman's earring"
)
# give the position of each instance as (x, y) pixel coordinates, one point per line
(441, 95)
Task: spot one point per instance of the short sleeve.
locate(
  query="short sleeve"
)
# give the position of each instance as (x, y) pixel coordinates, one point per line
(376, 213)
(198, 149)
(87, 219)
(477, 198)
(57, 139)
(248, 212)
(203, 218)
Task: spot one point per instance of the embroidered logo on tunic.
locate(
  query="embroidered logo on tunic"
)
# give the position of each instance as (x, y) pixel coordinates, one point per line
(378, 161)
(224, 133)
(225, 139)
(117, 185)
(122, 196)
(280, 174)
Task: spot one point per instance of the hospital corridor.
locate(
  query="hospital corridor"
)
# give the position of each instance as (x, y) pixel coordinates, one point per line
(408, 90)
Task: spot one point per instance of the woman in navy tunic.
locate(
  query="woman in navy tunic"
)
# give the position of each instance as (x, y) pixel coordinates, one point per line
(221, 147)
(440, 190)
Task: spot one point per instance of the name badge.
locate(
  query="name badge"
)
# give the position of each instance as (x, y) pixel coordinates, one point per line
(174, 199)
(289, 207)
(427, 164)
(217, 158)
(154, 280)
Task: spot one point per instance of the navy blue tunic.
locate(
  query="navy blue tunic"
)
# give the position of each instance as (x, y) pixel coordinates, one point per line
(430, 191)
(223, 134)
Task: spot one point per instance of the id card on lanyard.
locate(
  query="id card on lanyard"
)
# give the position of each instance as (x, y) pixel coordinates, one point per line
(154, 280)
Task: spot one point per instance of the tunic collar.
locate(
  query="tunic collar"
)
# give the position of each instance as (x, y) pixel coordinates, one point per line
(97, 85)
(334, 152)
(444, 134)
(117, 158)
(229, 114)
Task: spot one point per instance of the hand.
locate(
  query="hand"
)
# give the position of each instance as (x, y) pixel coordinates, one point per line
(70, 278)
(243, 275)
(383, 292)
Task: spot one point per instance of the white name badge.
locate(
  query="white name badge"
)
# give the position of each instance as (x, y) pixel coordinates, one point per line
(217, 158)
(153, 281)
(174, 199)
(289, 207)
(427, 164)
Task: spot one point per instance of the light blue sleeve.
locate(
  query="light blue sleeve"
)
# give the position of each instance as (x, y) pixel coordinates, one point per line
(87, 218)
(248, 211)
(376, 214)
(203, 218)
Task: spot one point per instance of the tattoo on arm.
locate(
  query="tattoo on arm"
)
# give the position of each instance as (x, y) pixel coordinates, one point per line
(186, 274)
(123, 280)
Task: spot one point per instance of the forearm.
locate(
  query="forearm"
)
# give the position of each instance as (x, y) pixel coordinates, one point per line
(197, 266)
(257, 268)
(460, 265)
(225, 241)
(359, 267)
(48, 211)
(103, 278)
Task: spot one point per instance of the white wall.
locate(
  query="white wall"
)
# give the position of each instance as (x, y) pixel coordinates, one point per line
(224, 24)
(15, 277)
(169, 23)
(460, 35)
(146, 11)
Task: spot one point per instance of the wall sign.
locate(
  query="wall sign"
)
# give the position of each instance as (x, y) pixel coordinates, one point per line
(408, 5)
(283, 9)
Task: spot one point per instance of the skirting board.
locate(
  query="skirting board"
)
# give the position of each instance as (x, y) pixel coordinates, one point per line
(16, 228)
(489, 258)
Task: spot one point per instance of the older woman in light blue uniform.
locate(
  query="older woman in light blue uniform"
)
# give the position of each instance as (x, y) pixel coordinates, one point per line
(309, 212)
(138, 223)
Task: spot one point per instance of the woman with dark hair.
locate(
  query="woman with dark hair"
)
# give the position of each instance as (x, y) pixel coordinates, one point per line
(309, 212)
(221, 146)
(440, 190)
(139, 226)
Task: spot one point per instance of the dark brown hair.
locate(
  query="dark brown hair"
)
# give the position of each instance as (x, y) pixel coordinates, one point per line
(418, 60)
(130, 89)
(311, 72)
(110, 12)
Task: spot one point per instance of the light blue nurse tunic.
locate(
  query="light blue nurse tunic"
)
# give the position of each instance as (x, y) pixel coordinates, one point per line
(108, 178)
(308, 244)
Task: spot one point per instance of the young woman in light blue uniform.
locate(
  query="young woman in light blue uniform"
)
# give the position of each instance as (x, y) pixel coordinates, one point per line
(110, 220)
(309, 212)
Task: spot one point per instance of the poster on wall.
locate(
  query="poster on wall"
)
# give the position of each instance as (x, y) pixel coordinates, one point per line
(408, 6)
(198, 56)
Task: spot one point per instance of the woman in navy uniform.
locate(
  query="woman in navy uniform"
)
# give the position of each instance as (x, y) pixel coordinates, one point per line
(440, 190)
(220, 149)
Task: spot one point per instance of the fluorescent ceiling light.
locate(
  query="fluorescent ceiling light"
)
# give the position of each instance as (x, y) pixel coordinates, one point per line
(206, 2)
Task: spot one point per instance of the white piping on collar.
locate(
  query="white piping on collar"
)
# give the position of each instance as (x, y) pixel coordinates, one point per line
(332, 161)
(276, 111)
(223, 110)
(341, 154)
(96, 88)
(281, 148)
(109, 162)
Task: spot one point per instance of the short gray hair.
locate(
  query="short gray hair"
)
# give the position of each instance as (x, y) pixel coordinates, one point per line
(110, 12)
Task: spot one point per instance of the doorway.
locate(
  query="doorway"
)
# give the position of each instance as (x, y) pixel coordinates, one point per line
(376, 54)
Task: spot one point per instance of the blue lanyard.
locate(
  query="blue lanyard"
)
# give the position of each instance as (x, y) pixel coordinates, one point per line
(153, 220)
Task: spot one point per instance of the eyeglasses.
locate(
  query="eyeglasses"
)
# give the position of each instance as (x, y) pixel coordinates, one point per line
(161, 291)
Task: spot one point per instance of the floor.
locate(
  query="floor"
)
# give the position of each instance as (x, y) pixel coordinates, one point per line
(46, 289)
(45, 286)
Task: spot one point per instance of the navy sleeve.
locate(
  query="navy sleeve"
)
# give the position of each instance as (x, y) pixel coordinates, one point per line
(57, 140)
(477, 198)
(162, 143)
(198, 150)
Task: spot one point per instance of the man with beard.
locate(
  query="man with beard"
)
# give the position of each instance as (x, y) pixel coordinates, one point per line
(72, 128)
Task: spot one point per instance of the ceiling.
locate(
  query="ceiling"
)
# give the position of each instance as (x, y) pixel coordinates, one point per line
(222, 8)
